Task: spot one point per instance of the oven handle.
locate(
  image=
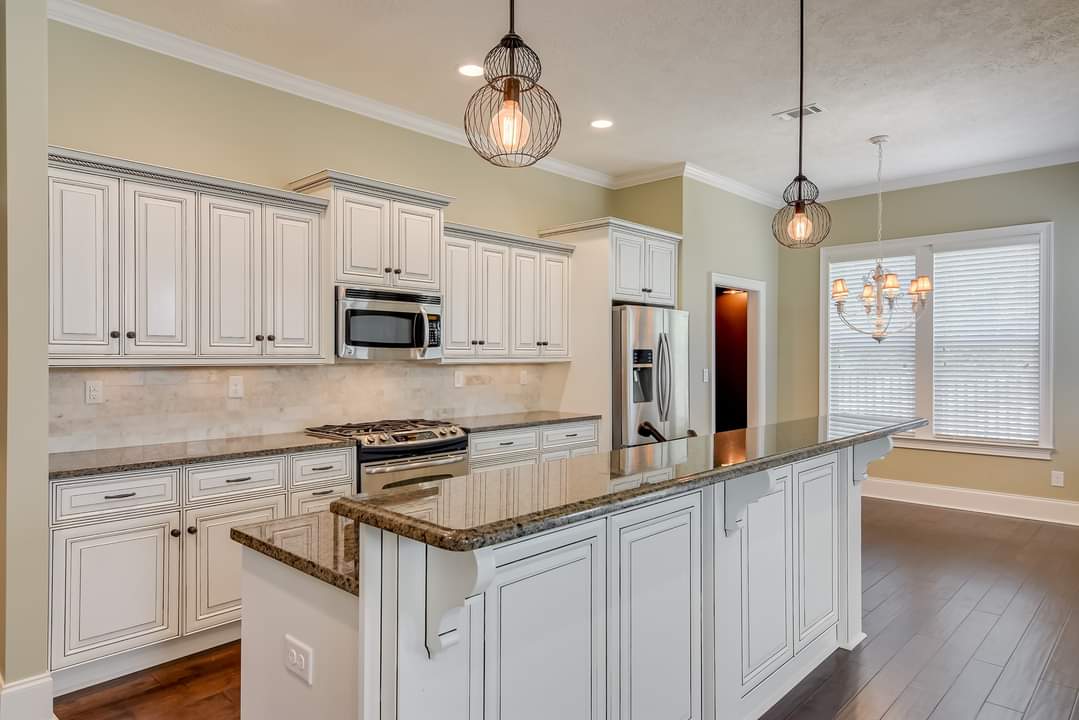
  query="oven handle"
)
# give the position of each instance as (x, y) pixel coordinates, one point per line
(377, 469)
(416, 481)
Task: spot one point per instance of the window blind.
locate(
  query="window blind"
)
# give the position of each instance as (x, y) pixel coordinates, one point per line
(986, 343)
(866, 377)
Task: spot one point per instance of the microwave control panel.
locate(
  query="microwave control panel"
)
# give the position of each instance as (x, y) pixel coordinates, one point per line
(434, 324)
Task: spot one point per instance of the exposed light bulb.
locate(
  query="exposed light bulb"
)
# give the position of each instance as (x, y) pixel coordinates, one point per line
(509, 127)
(800, 227)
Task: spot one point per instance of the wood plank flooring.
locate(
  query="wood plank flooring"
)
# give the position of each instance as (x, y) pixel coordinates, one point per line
(968, 617)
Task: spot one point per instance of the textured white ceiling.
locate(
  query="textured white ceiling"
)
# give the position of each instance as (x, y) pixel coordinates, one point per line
(956, 83)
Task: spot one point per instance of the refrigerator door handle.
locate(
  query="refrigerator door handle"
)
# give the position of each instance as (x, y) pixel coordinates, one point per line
(664, 377)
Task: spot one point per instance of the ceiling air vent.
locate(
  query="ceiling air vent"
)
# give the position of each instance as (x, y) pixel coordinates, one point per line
(792, 114)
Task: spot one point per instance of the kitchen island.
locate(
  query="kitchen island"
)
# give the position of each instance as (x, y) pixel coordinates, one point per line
(700, 578)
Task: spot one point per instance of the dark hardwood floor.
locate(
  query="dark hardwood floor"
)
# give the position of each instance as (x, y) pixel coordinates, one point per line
(968, 617)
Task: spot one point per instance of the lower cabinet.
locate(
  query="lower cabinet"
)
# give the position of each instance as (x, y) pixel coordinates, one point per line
(545, 659)
(816, 505)
(504, 489)
(114, 587)
(212, 559)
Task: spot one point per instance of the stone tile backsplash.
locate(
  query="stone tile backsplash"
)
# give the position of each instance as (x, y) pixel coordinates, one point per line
(150, 405)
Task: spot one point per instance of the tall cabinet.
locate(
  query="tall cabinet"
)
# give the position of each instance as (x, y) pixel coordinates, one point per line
(154, 266)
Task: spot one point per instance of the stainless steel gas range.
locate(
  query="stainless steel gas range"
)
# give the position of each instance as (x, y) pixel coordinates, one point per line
(396, 453)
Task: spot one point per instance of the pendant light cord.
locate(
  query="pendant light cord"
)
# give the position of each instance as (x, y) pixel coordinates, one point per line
(801, 82)
(880, 201)
(511, 16)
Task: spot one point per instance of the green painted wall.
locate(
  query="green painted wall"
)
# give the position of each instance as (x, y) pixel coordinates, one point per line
(658, 204)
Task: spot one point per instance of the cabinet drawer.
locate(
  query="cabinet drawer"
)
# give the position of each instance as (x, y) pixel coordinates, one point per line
(319, 467)
(235, 478)
(658, 476)
(115, 494)
(487, 445)
(317, 499)
(569, 434)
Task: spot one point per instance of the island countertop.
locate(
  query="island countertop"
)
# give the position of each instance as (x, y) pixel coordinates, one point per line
(510, 421)
(437, 514)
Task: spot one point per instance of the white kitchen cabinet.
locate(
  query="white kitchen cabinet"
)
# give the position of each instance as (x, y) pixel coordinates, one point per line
(476, 304)
(541, 304)
(115, 586)
(230, 276)
(545, 660)
(492, 298)
(661, 262)
(628, 266)
(294, 283)
(159, 270)
(84, 264)
(555, 305)
(525, 307)
(212, 559)
(361, 226)
(459, 302)
(816, 509)
(504, 489)
(416, 233)
(319, 499)
(654, 616)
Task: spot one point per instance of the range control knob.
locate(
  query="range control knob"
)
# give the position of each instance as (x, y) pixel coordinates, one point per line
(384, 437)
(368, 440)
(443, 432)
(454, 431)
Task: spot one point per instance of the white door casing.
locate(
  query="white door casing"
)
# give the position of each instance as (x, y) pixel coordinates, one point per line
(293, 260)
(362, 231)
(230, 274)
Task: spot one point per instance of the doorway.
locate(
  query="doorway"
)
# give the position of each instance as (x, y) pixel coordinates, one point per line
(737, 352)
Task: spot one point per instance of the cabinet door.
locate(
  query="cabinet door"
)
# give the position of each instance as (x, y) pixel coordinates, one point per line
(525, 302)
(159, 270)
(654, 625)
(415, 234)
(115, 586)
(317, 500)
(492, 298)
(230, 276)
(554, 306)
(459, 334)
(293, 292)
(816, 510)
(212, 559)
(544, 629)
(662, 263)
(554, 478)
(362, 239)
(503, 490)
(628, 258)
(84, 264)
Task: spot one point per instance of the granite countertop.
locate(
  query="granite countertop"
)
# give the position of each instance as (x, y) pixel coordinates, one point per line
(595, 485)
(509, 421)
(144, 457)
(322, 545)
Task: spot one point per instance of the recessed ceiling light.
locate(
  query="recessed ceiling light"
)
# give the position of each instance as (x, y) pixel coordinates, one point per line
(470, 70)
(602, 124)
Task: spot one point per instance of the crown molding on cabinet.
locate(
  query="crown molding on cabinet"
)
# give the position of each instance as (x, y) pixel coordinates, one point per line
(471, 232)
(370, 186)
(613, 223)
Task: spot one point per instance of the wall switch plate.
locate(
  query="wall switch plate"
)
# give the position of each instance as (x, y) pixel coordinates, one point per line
(236, 386)
(95, 392)
(300, 659)
(524, 377)
(705, 373)
(1056, 478)
(458, 378)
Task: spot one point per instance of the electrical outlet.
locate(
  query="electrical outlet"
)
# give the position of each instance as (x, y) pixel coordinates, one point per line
(236, 386)
(95, 392)
(300, 659)
(705, 373)
(458, 378)
(1056, 478)
(524, 377)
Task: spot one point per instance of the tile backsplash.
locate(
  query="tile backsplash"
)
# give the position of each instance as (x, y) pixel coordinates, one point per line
(152, 405)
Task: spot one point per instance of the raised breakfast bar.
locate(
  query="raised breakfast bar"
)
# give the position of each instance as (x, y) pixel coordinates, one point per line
(699, 578)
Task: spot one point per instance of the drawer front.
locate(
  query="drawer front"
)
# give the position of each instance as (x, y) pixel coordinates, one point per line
(501, 443)
(658, 476)
(235, 479)
(560, 435)
(317, 499)
(320, 467)
(112, 495)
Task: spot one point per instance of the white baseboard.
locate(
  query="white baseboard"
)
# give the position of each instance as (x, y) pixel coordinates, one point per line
(28, 699)
(1065, 512)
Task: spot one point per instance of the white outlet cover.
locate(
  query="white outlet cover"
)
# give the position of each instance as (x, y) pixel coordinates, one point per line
(236, 386)
(458, 378)
(95, 392)
(300, 659)
(524, 377)
(705, 375)
(1056, 478)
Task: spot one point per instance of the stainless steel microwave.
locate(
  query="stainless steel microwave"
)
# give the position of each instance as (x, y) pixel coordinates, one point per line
(383, 325)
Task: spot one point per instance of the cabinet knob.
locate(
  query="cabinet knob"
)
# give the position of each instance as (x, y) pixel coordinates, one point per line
(387, 269)
(114, 334)
(397, 271)
(259, 338)
(130, 334)
(475, 342)
(647, 290)
(271, 338)
(175, 532)
(191, 529)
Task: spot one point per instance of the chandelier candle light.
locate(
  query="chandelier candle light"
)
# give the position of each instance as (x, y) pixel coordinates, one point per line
(880, 288)
(512, 121)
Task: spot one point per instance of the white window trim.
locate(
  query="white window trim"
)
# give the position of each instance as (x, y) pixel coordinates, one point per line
(921, 248)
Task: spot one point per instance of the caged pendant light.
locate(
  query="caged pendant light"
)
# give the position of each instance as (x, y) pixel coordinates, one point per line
(802, 222)
(512, 121)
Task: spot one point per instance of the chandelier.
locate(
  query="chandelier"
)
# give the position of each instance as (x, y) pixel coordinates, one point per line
(880, 287)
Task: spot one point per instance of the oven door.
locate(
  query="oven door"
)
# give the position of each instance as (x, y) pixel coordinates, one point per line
(403, 472)
(373, 328)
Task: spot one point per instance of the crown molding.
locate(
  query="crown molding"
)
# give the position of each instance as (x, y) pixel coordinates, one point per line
(969, 173)
(643, 177)
(610, 223)
(150, 38)
(696, 172)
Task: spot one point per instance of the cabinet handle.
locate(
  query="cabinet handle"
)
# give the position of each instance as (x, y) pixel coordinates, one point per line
(238, 480)
(114, 334)
(175, 532)
(571, 435)
(504, 444)
(321, 492)
(475, 342)
(320, 468)
(130, 334)
(647, 290)
(483, 342)
(271, 338)
(259, 338)
(121, 496)
(387, 269)
(191, 529)
(397, 271)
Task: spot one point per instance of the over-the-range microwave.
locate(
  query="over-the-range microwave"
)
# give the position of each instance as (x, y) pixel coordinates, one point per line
(384, 325)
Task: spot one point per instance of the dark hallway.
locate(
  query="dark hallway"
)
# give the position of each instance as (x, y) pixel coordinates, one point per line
(731, 358)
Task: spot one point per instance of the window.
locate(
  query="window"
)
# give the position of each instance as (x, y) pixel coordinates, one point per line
(978, 364)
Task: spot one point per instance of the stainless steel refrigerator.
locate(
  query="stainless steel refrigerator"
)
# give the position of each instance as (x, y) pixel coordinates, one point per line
(650, 348)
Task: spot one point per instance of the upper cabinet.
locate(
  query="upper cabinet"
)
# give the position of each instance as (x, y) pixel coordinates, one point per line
(506, 297)
(642, 261)
(384, 235)
(152, 266)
